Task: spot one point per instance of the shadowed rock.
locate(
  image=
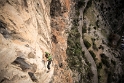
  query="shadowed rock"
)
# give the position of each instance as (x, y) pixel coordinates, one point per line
(25, 3)
(21, 62)
(3, 80)
(33, 78)
(3, 30)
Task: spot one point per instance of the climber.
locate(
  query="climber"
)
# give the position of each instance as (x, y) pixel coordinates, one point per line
(49, 59)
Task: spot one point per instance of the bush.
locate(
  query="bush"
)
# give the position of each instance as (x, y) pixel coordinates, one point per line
(75, 22)
(77, 35)
(109, 80)
(113, 62)
(97, 23)
(87, 44)
(90, 74)
(71, 43)
(93, 54)
(77, 52)
(103, 56)
(84, 30)
(74, 49)
(94, 28)
(101, 47)
(77, 13)
(89, 3)
(95, 47)
(105, 62)
(80, 3)
(99, 66)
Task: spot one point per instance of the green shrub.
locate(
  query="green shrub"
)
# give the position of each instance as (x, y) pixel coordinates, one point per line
(94, 28)
(93, 54)
(89, 3)
(101, 47)
(105, 62)
(97, 23)
(74, 49)
(89, 29)
(87, 44)
(99, 65)
(80, 3)
(113, 62)
(95, 47)
(84, 30)
(109, 80)
(77, 35)
(99, 76)
(103, 56)
(70, 42)
(77, 13)
(90, 74)
(75, 22)
(77, 52)
(68, 52)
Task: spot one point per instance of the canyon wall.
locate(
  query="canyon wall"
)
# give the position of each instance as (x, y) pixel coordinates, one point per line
(83, 37)
(25, 36)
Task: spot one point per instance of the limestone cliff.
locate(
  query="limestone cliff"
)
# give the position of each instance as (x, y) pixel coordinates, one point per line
(25, 34)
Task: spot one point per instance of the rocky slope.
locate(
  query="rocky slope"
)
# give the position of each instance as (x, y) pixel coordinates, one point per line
(83, 37)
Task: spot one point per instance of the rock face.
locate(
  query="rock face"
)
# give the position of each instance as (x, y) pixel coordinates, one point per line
(77, 33)
(25, 35)
(60, 23)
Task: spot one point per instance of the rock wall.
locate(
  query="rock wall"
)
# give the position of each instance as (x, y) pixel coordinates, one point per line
(60, 23)
(25, 34)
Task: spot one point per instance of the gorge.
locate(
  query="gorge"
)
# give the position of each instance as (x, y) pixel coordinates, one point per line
(84, 38)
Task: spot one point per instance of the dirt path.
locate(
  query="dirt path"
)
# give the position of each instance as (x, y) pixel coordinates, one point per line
(88, 55)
